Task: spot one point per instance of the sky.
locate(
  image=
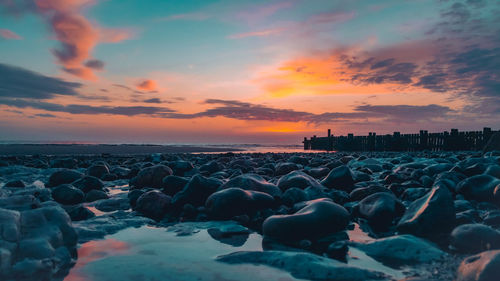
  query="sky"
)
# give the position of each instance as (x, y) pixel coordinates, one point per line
(237, 71)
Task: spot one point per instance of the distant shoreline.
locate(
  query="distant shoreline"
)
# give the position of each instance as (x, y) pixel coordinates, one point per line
(93, 149)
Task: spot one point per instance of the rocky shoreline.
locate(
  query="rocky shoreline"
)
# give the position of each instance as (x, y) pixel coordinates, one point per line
(431, 215)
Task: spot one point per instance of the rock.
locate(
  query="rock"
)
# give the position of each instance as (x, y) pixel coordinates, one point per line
(64, 176)
(121, 172)
(153, 204)
(95, 195)
(299, 160)
(317, 219)
(196, 191)
(151, 177)
(380, 210)
(493, 170)
(432, 214)
(304, 265)
(297, 179)
(413, 193)
(78, 212)
(401, 250)
(133, 195)
(211, 167)
(294, 195)
(318, 172)
(227, 203)
(482, 267)
(97, 170)
(479, 188)
(253, 182)
(68, 163)
(474, 238)
(180, 167)
(285, 168)
(113, 204)
(173, 184)
(362, 192)
(15, 183)
(67, 194)
(339, 178)
(88, 183)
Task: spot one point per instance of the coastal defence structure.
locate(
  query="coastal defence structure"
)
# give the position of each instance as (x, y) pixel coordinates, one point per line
(445, 141)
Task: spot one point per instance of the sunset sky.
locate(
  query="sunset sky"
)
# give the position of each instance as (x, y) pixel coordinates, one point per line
(130, 71)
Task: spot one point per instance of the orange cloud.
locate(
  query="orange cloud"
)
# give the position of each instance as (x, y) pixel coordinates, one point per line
(147, 85)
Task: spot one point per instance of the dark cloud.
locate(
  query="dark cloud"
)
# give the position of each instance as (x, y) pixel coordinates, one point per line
(88, 109)
(95, 64)
(153, 100)
(16, 82)
(407, 112)
(45, 115)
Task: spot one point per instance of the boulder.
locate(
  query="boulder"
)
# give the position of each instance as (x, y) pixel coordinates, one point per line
(432, 214)
(88, 183)
(481, 267)
(479, 188)
(317, 219)
(252, 182)
(151, 177)
(339, 178)
(380, 210)
(227, 203)
(67, 194)
(297, 179)
(153, 204)
(474, 238)
(97, 170)
(64, 176)
(196, 191)
(173, 184)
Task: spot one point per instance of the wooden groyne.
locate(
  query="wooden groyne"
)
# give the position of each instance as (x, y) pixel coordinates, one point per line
(445, 141)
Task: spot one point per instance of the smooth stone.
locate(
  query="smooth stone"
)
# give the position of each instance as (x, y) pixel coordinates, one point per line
(317, 219)
(64, 176)
(180, 167)
(211, 167)
(304, 265)
(481, 267)
(401, 250)
(253, 182)
(151, 177)
(361, 192)
(479, 188)
(412, 194)
(78, 212)
(15, 183)
(67, 194)
(380, 210)
(474, 238)
(173, 184)
(318, 172)
(294, 195)
(95, 195)
(432, 214)
(112, 204)
(153, 204)
(196, 191)
(97, 170)
(285, 168)
(339, 178)
(493, 170)
(299, 160)
(121, 172)
(227, 203)
(297, 179)
(88, 183)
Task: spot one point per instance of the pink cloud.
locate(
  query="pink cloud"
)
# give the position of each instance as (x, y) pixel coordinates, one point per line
(9, 35)
(261, 33)
(261, 12)
(147, 85)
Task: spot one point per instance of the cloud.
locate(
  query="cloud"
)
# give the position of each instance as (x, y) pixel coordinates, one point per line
(407, 112)
(76, 34)
(88, 109)
(146, 85)
(260, 12)
(95, 64)
(153, 100)
(16, 82)
(196, 16)
(261, 33)
(9, 35)
(45, 115)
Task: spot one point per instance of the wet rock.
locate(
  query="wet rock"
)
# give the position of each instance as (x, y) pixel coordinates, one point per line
(361, 192)
(285, 168)
(88, 183)
(253, 182)
(304, 265)
(173, 184)
(299, 160)
(317, 219)
(180, 167)
(401, 250)
(231, 234)
(493, 170)
(196, 191)
(297, 179)
(15, 183)
(478, 188)
(294, 195)
(481, 267)
(64, 176)
(112, 204)
(474, 238)
(211, 167)
(412, 194)
(97, 170)
(153, 204)
(151, 177)
(78, 212)
(121, 172)
(318, 172)
(67, 194)
(227, 203)
(339, 178)
(432, 214)
(68, 163)
(380, 210)
(133, 195)
(95, 195)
